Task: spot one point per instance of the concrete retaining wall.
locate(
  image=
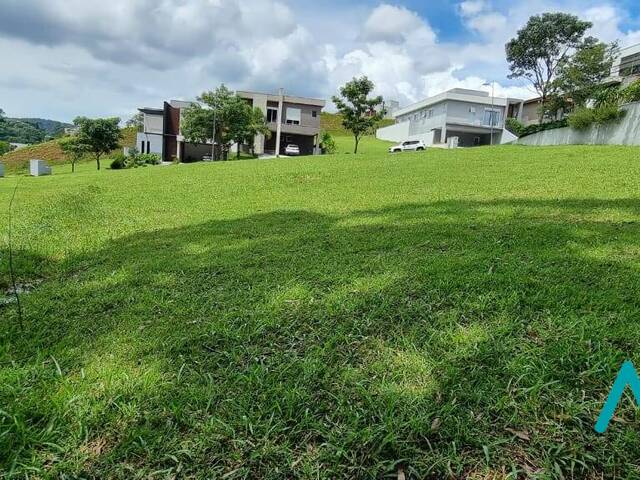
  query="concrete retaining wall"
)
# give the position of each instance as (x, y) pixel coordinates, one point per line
(624, 132)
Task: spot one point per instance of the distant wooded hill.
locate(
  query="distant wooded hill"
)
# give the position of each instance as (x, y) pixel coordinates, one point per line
(30, 130)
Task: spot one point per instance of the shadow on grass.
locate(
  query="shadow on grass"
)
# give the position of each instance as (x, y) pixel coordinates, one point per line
(295, 344)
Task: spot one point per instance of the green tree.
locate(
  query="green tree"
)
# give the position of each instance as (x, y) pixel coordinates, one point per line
(580, 76)
(5, 147)
(257, 124)
(541, 47)
(100, 135)
(136, 121)
(359, 112)
(235, 120)
(211, 110)
(327, 143)
(74, 150)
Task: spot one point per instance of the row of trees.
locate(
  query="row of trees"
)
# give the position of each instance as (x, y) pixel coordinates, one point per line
(565, 67)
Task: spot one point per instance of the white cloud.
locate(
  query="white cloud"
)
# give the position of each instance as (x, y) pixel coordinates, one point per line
(472, 7)
(105, 58)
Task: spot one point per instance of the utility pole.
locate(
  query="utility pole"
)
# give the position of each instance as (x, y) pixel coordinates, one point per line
(279, 121)
(491, 115)
(213, 138)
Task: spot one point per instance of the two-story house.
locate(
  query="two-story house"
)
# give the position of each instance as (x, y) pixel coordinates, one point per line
(161, 134)
(291, 120)
(626, 66)
(473, 117)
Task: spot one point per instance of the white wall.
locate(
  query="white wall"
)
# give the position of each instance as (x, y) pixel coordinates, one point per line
(400, 133)
(153, 123)
(156, 143)
(623, 132)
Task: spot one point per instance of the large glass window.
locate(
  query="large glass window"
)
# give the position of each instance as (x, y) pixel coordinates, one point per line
(293, 116)
(491, 117)
(272, 114)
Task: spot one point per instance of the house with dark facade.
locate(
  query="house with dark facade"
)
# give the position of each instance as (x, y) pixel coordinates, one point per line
(291, 120)
(161, 134)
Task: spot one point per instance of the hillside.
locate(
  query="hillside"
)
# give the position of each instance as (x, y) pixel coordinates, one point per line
(51, 128)
(51, 152)
(460, 313)
(332, 123)
(16, 131)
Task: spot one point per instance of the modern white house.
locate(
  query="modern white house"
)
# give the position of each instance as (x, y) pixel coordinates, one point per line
(626, 66)
(457, 117)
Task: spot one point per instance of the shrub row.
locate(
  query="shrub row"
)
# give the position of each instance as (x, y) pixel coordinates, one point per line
(134, 160)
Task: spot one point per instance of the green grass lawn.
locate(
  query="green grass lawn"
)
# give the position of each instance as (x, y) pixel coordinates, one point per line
(459, 314)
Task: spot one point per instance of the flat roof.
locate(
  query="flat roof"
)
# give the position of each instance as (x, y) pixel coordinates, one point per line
(458, 94)
(274, 97)
(154, 111)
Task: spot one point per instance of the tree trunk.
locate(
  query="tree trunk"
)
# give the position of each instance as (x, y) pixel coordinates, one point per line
(238, 152)
(357, 141)
(73, 167)
(98, 161)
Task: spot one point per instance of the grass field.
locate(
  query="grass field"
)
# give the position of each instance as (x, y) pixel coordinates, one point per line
(18, 160)
(456, 314)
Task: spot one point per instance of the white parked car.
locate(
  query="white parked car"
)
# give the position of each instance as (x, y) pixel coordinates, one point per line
(292, 149)
(409, 145)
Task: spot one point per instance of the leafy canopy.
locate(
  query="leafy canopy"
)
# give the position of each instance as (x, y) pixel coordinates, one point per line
(235, 120)
(542, 46)
(74, 149)
(100, 135)
(360, 114)
(580, 76)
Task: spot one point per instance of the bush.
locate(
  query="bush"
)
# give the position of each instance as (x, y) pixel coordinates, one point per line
(119, 161)
(582, 118)
(148, 159)
(514, 126)
(607, 114)
(631, 93)
(327, 143)
(531, 129)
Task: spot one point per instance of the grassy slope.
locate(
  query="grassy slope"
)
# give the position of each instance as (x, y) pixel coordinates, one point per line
(51, 152)
(326, 317)
(332, 123)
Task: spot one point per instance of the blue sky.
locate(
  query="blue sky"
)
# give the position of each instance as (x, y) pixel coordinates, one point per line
(63, 58)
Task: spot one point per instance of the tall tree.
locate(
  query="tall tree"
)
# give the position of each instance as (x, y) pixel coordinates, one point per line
(580, 76)
(360, 113)
(235, 120)
(100, 135)
(74, 150)
(541, 47)
(257, 124)
(212, 109)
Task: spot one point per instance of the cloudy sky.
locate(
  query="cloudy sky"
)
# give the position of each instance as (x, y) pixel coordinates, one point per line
(63, 58)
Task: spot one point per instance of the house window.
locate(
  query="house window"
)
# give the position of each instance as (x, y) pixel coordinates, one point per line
(430, 114)
(314, 114)
(142, 146)
(272, 114)
(630, 65)
(148, 146)
(293, 116)
(491, 117)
